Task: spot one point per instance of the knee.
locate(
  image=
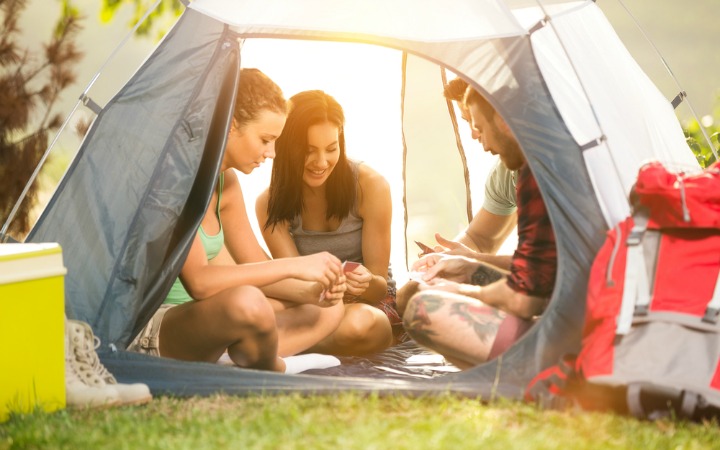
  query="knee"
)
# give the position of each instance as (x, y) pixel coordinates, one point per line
(364, 323)
(248, 307)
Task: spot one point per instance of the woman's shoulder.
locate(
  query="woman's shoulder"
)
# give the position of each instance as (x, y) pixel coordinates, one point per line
(230, 182)
(368, 176)
(373, 186)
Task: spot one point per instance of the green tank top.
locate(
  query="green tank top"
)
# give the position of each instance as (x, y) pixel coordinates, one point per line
(212, 244)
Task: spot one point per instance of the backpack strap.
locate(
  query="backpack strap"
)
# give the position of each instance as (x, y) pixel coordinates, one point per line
(646, 401)
(548, 389)
(713, 308)
(689, 404)
(637, 288)
(633, 401)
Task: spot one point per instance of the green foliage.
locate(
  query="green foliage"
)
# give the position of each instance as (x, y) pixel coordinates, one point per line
(155, 22)
(696, 139)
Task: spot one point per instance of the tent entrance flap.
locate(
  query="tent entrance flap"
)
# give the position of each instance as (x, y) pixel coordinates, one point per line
(119, 211)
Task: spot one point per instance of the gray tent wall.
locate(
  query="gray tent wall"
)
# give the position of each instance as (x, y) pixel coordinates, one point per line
(125, 232)
(131, 201)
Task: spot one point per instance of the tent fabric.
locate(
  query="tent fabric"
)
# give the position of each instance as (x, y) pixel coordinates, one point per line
(368, 19)
(625, 119)
(129, 205)
(125, 232)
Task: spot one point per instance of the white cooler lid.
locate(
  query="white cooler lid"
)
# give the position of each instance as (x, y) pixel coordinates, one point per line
(23, 262)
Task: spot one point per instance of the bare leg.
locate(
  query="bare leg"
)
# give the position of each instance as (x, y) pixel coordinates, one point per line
(460, 328)
(239, 319)
(302, 326)
(404, 294)
(364, 329)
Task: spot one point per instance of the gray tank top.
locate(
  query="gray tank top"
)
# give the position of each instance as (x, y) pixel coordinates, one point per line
(345, 242)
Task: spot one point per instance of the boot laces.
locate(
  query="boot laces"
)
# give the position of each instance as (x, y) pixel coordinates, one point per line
(87, 355)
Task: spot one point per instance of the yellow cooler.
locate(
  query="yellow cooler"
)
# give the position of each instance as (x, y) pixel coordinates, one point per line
(32, 328)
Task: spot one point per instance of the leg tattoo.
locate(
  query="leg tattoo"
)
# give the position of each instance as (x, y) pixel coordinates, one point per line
(483, 319)
(416, 319)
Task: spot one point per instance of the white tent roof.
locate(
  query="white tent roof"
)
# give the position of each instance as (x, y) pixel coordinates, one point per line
(631, 127)
(416, 20)
(419, 20)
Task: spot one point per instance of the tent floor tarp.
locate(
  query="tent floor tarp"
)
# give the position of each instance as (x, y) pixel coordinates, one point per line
(385, 373)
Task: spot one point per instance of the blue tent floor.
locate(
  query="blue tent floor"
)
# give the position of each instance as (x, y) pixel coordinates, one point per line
(182, 379)
(392, 363)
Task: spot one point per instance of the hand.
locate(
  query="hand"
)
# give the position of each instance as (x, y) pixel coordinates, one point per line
(335, 294)
(358, 280)
(322, 267)
(426, 261)
(454, 247)
(453, 268)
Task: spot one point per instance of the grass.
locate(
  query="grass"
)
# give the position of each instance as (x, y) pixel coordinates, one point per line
(346, 421)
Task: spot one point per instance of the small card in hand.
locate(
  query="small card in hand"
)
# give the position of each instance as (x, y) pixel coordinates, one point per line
(349, 266)
(426, 249)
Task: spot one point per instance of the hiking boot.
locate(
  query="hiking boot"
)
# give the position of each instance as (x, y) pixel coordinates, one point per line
(91, 371)
(79, 394)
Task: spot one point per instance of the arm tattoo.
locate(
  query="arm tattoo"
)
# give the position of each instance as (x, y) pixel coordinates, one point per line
(485, 275)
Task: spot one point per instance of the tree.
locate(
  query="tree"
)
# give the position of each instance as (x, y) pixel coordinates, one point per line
(30, 87)
(165, 9)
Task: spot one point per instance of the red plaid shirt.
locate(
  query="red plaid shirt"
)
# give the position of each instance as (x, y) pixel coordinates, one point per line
(534, 263)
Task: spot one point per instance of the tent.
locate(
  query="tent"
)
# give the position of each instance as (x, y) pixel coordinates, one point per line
(585, 114)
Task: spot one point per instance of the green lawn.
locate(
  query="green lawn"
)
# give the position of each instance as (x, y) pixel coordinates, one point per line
(346, 421)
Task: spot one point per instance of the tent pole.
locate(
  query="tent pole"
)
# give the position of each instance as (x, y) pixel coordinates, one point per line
(461, 151)
(403, 75)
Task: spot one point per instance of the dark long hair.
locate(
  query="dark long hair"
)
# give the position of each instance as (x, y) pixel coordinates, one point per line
(285, 201)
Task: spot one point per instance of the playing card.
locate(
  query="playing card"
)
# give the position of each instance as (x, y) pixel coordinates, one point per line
(349, 266)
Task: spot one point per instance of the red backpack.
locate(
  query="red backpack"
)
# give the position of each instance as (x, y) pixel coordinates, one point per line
(651, 339)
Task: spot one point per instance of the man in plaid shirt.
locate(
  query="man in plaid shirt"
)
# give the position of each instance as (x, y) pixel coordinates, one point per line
(470, 311)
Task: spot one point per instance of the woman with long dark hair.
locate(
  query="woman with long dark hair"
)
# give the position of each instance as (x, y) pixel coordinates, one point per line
(319, 200)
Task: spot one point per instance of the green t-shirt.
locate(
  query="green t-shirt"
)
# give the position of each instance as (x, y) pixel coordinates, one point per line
(212, 244)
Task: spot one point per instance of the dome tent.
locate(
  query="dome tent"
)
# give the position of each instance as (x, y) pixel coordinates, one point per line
(584, 113)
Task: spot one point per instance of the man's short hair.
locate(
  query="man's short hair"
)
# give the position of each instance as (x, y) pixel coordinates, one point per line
(455, 89)
(473, 97)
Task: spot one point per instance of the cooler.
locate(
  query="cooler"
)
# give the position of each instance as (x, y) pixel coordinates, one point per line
(32, 328)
